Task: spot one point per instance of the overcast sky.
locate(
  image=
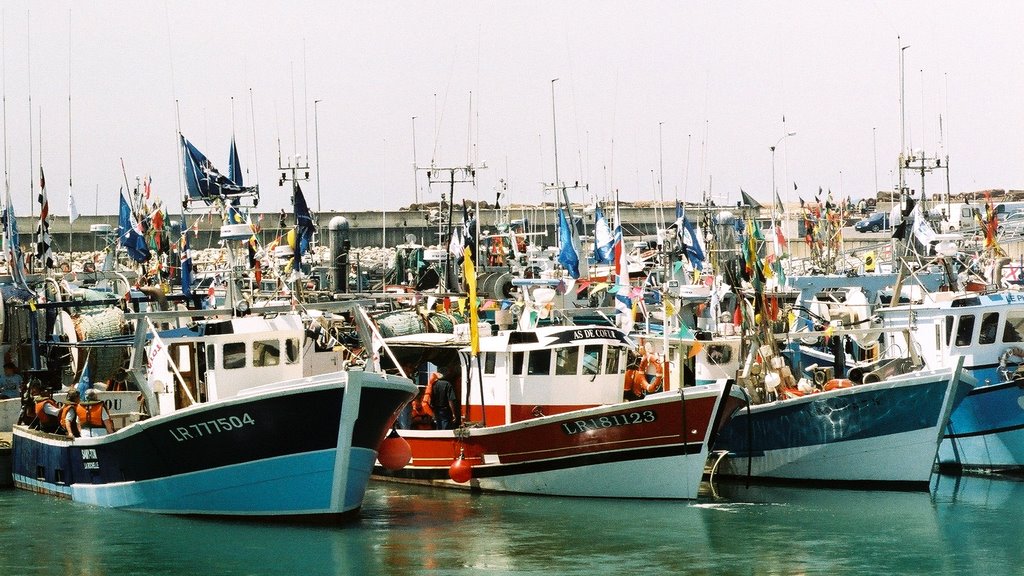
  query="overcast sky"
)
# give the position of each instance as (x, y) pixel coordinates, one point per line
(718, 77)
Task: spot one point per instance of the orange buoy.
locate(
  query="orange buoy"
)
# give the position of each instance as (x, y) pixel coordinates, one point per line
(461, 470)
(394, 452)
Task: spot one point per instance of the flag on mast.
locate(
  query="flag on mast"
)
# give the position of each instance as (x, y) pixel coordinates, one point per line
(604, 242)
(43, 240)
(72, 208)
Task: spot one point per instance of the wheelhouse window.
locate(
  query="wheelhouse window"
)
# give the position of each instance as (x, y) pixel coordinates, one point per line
(591, 359)
(1013, 328)
(291, 351)
(989, 326)
(965, 330)
(539, 363)
(489, 359)
(611, 363)
(949, 329)
(234, 355)
(566, 360)
(266, 353)
(719, 354)
(517, 363)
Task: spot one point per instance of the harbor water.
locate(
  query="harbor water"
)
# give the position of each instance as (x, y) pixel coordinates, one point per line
(964, 525)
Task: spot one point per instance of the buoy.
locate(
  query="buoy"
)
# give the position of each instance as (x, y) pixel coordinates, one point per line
(461, 470)
(394, 452)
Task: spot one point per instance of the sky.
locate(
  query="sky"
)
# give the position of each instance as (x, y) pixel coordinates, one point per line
(653, 99)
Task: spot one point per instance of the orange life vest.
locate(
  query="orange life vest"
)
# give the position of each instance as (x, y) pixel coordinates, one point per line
(76, 427)
(90, 415)
(424, 406)
(46, 420)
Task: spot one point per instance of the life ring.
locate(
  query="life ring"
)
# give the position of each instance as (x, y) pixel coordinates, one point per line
(788, 393)
(837, 383)
(1004, 360)
(651, 365)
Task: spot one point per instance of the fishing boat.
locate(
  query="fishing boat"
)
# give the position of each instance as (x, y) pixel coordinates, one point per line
(884, 433)
(986, 431)
(544, 414)
(229, 427)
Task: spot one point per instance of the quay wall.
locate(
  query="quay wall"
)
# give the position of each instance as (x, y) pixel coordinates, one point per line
(375, 228)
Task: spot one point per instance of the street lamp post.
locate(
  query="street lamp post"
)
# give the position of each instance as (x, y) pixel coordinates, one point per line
(316, 144)
(775, 192)
(415, 169)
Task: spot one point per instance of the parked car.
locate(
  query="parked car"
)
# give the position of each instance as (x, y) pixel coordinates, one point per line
(875, 223)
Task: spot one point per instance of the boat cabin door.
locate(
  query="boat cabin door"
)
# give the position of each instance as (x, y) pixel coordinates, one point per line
(209, 369)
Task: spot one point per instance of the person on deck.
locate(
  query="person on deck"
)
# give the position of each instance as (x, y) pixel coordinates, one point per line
(10, 384)
(422, 416)
(445, 405)
(68, 417)
(47, 411)
(92, 416)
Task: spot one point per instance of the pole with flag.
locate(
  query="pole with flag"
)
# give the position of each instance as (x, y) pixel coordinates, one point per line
(72, 216)
(12, 247)
(43, 241)
(623, 299)
(469, 272)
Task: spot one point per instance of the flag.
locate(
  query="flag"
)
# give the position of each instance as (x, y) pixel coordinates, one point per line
(300, 237)
(455, 246)
(468, 232)
(749, 200)
(692, 245)
(623, 303)
(567, 255)
(11, 243)
(780, 238)
(603, 241)
(43, 240)
(779, 206)
(470, 274)
(130, 233)
(84, 381)
(234, 167)
(158, 363)
(147, 186)
(72, 209)
(186, 261)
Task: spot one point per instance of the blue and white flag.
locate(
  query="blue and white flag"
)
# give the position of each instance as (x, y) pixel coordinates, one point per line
(300, 236)
(84, 381)
(567, 255)
(130, 233)
(12, 244)
(604, 242)
(623, 296)
(691, 245)
(234, 167)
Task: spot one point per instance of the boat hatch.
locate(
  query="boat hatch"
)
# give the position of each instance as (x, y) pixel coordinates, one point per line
(522, 338)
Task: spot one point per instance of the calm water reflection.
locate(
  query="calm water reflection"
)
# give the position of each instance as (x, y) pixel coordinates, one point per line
(964, 525)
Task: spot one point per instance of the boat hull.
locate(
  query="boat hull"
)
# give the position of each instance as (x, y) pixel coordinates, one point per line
(885, 433)
(626, 450)
(986, 431)
(301, 448)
